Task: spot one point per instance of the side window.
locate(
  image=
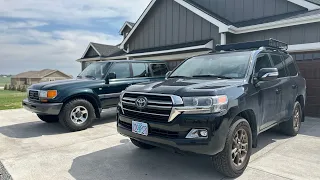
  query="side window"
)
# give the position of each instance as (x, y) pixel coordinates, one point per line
(263, 61)
(122, 70)
(140, 70)
(290, 65)
(278, 63)
(159, 69)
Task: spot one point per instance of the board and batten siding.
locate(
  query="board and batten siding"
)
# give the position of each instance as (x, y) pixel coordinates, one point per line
(243, 10)
(169, 23)
(300, 34)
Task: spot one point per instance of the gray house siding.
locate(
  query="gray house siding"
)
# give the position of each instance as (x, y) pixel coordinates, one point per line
(243, 10)
(169, 23)
(91, 53)
(300, 34)
(126, 30)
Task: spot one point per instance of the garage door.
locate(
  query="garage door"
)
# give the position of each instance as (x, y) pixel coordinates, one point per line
(309, 65)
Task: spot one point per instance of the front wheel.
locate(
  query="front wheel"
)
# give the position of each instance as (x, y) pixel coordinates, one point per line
(48, 118)
(234, 158)
(292, 127)
(77, 115)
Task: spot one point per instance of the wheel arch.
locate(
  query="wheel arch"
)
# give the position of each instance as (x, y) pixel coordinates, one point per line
(86, 96)
(250, 116)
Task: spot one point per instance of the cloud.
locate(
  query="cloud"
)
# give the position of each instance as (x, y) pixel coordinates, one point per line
(53, 34)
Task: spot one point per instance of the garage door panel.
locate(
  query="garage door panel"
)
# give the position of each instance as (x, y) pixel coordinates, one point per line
(313, 100)
(312, 110)
(313, 82)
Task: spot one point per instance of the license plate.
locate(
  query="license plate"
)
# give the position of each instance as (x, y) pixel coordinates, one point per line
(140, 128)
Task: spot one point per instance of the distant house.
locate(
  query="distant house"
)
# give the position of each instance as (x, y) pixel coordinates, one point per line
(33, 77)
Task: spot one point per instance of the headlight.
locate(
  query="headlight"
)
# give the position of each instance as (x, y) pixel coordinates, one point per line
(206, 104)
(49, 94)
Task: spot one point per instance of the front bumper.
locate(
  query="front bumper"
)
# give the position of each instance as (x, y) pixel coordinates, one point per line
(171, 135)
(42, 108)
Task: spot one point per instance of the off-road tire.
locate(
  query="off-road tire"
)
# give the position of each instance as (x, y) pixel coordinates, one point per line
(222, 161)
(64, 116)
(141, 144)
(48, 118)
(288, 127)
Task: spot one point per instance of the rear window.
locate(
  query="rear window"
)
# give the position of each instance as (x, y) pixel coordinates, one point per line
(292, 68)
(159, 69)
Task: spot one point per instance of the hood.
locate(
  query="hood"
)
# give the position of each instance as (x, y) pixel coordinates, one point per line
(70, 83)
(186, 87)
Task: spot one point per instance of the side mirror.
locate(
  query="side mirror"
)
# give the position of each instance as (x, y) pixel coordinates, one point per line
(268, 74)
(168, 74)
(111, 75)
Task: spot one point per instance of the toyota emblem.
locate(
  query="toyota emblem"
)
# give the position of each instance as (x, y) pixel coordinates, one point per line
(141, 102)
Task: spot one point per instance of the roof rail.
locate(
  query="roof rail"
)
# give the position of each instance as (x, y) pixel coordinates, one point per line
(269, 43)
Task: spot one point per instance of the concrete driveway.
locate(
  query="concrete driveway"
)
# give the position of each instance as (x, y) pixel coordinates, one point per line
(31, 149)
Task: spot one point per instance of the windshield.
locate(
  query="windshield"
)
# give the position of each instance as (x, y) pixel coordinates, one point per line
(95, 70)
(228, 65)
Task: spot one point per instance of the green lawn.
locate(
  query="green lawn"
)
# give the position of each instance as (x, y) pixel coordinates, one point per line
(4, 80)
(11, 99)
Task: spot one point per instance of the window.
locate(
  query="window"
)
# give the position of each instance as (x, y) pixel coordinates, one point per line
(232, 65)
(263, 61)
(96, 70)
(278, 63)
(121, 70)
(140, 70)
(290, 65)
(159, 69)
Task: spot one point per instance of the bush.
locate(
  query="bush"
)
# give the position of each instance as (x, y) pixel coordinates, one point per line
(23, 88)
(13, 88)
(19, 87)
(5, 87)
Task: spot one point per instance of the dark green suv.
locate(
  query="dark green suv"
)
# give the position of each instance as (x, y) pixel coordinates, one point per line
(77, 102)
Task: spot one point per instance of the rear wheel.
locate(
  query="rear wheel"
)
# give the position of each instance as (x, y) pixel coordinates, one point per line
(48, 118)
(234, 158)
(141, 144)
(77, 115)
(292, 127)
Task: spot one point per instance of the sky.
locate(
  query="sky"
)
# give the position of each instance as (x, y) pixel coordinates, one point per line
(40, 34)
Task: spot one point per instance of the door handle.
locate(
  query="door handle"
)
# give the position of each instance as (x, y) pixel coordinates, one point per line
(294, 86)
(278, 91)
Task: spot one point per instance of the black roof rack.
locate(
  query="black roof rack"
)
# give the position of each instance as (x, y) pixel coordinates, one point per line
(269, 43)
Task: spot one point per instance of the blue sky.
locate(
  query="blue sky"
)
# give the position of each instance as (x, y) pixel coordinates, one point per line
(38, 34)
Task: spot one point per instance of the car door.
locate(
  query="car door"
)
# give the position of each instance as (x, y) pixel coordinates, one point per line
(269, 93)
(284, 82)
(113, 88)
(292, 88)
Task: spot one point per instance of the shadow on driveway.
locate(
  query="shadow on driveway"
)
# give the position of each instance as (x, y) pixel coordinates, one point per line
(40, 128)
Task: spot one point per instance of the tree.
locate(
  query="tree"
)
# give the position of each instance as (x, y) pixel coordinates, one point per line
(5, 87)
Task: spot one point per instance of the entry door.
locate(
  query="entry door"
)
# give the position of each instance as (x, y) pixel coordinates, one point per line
(112, 90)
(269, 93)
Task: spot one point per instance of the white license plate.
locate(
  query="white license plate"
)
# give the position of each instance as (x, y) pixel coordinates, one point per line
(140, 128)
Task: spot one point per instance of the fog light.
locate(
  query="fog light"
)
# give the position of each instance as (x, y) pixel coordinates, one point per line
(197, 134)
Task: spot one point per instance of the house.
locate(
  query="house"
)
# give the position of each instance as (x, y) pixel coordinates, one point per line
(33, 77)
(173, 30)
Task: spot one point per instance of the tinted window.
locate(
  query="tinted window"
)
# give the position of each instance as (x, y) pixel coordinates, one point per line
(232, 65)
(95, 70)
(140, 70)
(278, 63)
(290, 65)
(263, 61)
(159, 69)
(122, 70)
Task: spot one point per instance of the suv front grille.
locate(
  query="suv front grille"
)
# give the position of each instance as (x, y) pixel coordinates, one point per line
(33, 95)
(158, 108)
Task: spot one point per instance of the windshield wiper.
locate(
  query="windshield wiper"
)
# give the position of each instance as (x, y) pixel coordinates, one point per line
(178, 77)
(214, 76)
(91, 77)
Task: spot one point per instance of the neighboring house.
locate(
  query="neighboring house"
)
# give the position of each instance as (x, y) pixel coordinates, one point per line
(173, 30)
(33, 77)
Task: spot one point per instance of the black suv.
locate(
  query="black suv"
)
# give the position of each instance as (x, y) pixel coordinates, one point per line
(77, 102)
(217, 104)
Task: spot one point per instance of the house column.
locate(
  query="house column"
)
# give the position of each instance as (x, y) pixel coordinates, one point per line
(223, 39)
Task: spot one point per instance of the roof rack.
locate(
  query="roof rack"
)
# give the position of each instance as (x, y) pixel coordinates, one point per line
(269, 43)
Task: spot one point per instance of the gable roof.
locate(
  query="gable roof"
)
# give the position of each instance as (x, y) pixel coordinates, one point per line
(126, 24)
(37, 74)
(103, 50)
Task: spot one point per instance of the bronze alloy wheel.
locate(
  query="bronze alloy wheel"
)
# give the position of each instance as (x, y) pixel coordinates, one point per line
(239, 148)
